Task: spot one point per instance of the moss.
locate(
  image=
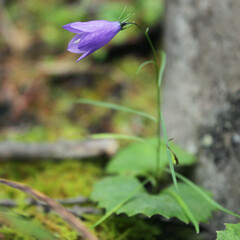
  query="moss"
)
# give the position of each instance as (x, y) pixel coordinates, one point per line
(60, 179)
(56, 179)
(10, 233)
(55, 224)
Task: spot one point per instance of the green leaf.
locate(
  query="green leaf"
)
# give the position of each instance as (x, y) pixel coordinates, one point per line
(204, 195)
(144, 64)
(116, 107)
(139, 159)
(111, 191)
(162, 68)
(117, 136)
(185, 208)
(232, 232)
(120, 204)
(24, 225)
(165, 137)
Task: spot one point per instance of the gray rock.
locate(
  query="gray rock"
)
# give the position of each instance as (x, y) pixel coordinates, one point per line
(201, 93)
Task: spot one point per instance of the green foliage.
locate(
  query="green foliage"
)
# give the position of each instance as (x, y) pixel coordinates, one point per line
(113, 10)
(165, 137)
(117, 136)
(139, 159)
(152, 11)
(54, 224)
(76, 179)
(205, 196)
(144, 64)
(162, 68)
(43, 134)
(23, 225)
(232, 232)
(124, 228)
(165, 203)
(115, 107)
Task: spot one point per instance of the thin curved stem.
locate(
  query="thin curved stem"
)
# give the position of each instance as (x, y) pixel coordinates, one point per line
(158, 98)
(158, 105)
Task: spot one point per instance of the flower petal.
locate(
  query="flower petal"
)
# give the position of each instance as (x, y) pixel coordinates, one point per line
(84, 55)
(95, 40)
(91, 35)
(91, 26)
(74, 43)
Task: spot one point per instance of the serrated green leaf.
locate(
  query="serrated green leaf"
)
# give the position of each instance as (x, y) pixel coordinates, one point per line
(140, 158)
(120, 204)
(110, 191)
(116, 107)
(232, 232)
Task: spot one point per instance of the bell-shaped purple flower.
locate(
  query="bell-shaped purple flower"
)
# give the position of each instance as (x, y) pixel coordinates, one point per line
(91, 35)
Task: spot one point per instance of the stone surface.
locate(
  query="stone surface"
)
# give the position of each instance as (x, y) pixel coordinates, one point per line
(201, 89)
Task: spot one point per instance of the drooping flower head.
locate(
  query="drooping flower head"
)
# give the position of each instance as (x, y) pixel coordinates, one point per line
(91, 35)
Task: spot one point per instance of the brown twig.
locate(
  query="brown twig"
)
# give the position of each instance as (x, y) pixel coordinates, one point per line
(57, 150)
(76, 209)
(63, 212)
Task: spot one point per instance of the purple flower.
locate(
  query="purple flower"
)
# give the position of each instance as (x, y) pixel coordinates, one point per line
(91, 35)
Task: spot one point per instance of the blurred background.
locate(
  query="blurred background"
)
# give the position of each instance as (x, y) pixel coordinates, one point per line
(40, 79)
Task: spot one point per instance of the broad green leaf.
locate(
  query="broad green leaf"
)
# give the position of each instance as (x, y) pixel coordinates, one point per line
(116, 107)
(232, 232)
(111, 191)
(120, 204)
(139, 159)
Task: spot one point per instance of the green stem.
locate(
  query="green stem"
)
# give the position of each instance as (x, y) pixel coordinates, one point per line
(160, 119)
(185, 208)
(158, 130)
(158, 99)
(158, 105)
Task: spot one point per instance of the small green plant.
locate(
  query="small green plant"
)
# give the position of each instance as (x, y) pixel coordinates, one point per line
(232, 232)
(139, 171)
